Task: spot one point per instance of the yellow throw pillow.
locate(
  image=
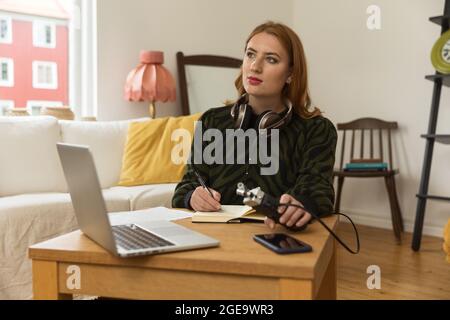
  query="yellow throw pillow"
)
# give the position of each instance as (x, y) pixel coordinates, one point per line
(148, 152)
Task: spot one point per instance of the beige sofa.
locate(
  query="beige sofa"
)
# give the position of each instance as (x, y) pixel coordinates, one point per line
(34, 203)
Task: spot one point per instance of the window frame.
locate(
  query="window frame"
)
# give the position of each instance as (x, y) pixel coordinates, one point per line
(10, 81)
(83, 56)
(8, 39)
(54, 70)
(39, 39)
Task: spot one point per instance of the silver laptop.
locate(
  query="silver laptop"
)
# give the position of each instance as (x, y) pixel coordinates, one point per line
(123, 240)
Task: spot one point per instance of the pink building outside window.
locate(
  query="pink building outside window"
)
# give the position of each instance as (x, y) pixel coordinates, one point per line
(34, 49)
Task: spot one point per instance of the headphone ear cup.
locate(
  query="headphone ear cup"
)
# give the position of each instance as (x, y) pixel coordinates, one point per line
(259, 118)
(266, 119)
(243, 117)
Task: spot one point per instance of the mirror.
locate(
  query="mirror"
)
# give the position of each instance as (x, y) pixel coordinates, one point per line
(206, 81)
(209, 87)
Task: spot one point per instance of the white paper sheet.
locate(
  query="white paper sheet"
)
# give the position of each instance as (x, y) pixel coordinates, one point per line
(227, 210)
(153, 214)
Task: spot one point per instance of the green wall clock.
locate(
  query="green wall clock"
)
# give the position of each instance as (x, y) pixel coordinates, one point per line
(440, 54)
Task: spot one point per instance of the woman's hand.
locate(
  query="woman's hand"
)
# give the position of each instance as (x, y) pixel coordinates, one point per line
(290, 216)
(201, 200)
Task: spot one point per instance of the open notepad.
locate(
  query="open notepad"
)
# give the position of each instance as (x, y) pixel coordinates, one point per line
(229, 214)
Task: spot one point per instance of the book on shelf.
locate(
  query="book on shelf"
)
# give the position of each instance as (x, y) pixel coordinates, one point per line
(366, 166)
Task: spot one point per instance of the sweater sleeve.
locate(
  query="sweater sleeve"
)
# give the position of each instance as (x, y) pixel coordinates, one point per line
(189, 182)
(314, 183)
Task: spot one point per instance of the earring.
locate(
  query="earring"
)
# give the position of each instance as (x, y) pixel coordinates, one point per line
(288, 81)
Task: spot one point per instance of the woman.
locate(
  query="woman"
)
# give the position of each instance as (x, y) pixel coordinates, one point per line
(272, 78)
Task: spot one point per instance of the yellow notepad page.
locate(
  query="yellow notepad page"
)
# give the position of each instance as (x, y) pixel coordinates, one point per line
(228, 213)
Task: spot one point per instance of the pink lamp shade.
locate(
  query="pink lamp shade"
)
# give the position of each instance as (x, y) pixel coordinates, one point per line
(150, 81)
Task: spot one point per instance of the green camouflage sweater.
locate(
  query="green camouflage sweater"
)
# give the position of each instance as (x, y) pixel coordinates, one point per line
(306, 161)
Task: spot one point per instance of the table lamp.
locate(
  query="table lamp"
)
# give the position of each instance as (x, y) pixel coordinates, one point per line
(150, 81)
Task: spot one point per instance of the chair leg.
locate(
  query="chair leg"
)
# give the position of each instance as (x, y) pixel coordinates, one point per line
(394, 212)
(338, 194)
(397, 212)
(397, 204)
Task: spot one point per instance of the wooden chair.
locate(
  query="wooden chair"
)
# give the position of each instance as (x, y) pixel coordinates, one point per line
(373, 126)
(199, 60)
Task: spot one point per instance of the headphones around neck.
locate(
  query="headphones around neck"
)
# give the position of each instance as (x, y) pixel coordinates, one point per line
(242, 114)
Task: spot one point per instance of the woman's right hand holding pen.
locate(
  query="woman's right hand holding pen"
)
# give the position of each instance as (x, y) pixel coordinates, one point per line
(201, 200)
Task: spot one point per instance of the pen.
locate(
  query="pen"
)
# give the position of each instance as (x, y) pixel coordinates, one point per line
(202, 182)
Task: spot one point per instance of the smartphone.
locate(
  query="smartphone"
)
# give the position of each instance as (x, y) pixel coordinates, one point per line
(282, 243)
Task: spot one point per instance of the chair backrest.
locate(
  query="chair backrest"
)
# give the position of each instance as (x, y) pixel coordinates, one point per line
(371, 125)
(199, 60)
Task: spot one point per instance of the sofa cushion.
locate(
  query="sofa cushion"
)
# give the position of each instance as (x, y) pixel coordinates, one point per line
(28, 156)
(147, 196)
(106, 140)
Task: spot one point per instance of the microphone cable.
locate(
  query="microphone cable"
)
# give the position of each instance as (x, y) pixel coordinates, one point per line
(329, 230)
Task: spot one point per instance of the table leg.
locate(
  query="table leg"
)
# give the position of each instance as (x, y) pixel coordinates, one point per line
(328, 287)
(45, 281)
(293, 289)
(305, 289)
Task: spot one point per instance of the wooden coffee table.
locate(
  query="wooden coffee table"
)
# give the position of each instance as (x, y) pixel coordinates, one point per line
(239, 268)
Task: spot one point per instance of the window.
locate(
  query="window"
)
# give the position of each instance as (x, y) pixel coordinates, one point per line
(5, 105)
(70, 42)
(5, 29)
(45, 75)
(34, 107)
(44, 34)
(6, 72)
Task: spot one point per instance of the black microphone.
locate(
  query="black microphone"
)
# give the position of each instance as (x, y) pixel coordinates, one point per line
(264, 203)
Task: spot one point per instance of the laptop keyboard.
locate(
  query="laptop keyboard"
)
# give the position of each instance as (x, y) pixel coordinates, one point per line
(132, 237)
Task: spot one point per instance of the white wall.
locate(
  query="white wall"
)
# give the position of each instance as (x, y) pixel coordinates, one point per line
(355, 72)
(194, 27)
